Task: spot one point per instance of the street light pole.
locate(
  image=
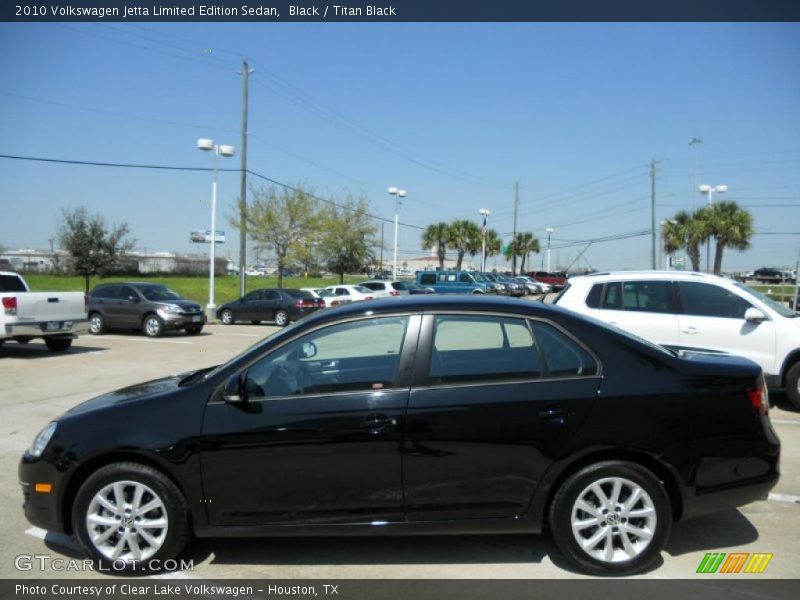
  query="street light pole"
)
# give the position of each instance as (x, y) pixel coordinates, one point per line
(709, 190)
(397, 193)
(549, 231)
(209, 145)
(485, 212)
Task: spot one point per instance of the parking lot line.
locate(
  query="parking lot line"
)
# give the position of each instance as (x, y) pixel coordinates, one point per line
(785, 422)
(237, 334)
(148, 341)
(784, 498)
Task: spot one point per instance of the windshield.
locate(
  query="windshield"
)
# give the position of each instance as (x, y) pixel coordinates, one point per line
(159, 293)
(361, 289)
(403, 285)
(323, 293)
(778, 307)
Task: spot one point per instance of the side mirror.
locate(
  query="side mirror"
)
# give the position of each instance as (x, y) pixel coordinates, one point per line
(234, 390)
(753, 315)
(309, 350)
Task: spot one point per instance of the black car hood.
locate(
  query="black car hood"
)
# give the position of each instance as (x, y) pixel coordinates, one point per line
(186, 305)
(139, 392)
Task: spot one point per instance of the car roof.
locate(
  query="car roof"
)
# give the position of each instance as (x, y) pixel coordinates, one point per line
(645, 274)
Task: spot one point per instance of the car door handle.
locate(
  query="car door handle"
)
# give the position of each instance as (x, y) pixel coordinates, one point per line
(553, 413)
(690, 331)
(376, 423)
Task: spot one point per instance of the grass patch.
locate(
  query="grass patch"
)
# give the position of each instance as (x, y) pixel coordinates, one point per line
(192, 287)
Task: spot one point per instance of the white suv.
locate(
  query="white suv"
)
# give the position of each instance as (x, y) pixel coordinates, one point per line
(697, 311)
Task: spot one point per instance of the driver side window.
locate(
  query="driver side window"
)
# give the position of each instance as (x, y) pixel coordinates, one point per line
(355, 356)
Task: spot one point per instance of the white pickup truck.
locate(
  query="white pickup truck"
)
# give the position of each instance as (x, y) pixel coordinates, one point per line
(57, 317)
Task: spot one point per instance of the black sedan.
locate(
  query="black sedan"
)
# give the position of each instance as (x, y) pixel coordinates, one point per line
(423, 414)
(279, 305)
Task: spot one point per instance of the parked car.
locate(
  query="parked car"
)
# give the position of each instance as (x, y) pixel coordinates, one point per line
(532, 285)
(327, 296)
(556, 280)
(280, 305)
(453, 282)
(380, 289)
(152, 308)
(768, 275)
(514, 288)
(495, 285)
(354, 293)
(698, 311)
(396, 288)
(424, 414)
(56, 317)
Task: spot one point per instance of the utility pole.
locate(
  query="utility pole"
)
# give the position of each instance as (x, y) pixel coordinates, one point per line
(382, 224)
(245, 73)
(653, 212)
(516, 212)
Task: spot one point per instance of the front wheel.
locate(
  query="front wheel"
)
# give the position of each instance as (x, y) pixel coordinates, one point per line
(153, 326)
(611, 518)
(281, 318)
(793, 385)
(226, 317)
(129, 515)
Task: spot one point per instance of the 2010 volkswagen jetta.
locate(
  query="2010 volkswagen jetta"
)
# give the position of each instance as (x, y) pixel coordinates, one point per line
(414, 415)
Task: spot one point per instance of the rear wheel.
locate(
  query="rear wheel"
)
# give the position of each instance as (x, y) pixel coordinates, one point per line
(281, 318)
(793, 385)
(153, 326)
(226, 317)
(128, 515)
(611, 518)
(58, 344)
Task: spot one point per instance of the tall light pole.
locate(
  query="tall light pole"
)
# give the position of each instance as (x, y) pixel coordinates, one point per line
(209, 145)
(695, 141)
(398, 194)
(708, 190)
(549, 231)
(485, 212)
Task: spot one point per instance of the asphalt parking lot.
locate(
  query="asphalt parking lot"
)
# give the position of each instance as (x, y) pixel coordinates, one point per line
(36, 386)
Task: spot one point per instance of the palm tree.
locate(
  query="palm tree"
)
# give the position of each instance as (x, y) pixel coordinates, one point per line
(436, 236)
(522, 245)
(494, 244)
(731, 227)
(687, 231)
(465, 238)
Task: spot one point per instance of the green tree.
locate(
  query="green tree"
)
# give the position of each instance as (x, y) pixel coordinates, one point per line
(731, 227)
(494, 245)
(465, 238)
(436, 236)
(95, 247)
(521, 246)
(280, 219)
(348, 236)
(686, 231)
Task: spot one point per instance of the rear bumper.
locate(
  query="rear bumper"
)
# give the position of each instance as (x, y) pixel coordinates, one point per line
(712, 501)
(39, 329)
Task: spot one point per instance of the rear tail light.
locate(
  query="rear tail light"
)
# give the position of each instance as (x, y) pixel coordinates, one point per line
(10, 305)
(394, 293)
(759, 398)
(86, 302)
(367, 297)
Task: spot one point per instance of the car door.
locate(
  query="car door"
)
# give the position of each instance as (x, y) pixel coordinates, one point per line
(270, 301)
(107, 301)
(712, 317)
(318, 439)
(129, 313)
(246, 309)
(494, 401)
(643, 307)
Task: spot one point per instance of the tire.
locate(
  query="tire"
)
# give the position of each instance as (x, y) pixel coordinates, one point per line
(153, 326)
(58, 344)
(226, 317)
(96, 513)
(193, 329)
(281, 318)
(97, 325)
(618, 551)
(478, 292)
(793, 385)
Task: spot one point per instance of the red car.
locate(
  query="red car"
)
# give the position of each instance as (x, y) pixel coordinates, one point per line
(557, 279)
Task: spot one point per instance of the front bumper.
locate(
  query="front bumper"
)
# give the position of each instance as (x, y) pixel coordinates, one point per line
(41, 509)
(179, 321)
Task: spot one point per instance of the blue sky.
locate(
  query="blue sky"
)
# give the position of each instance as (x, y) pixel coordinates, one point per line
(453, 113)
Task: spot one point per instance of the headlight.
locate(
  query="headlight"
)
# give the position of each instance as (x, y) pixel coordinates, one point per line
(171, 309)
(41, 441)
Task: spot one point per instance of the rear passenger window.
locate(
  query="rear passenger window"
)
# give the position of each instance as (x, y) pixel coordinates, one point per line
(427, 279)
(480, 348)
(638, 296)
(563, 357)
